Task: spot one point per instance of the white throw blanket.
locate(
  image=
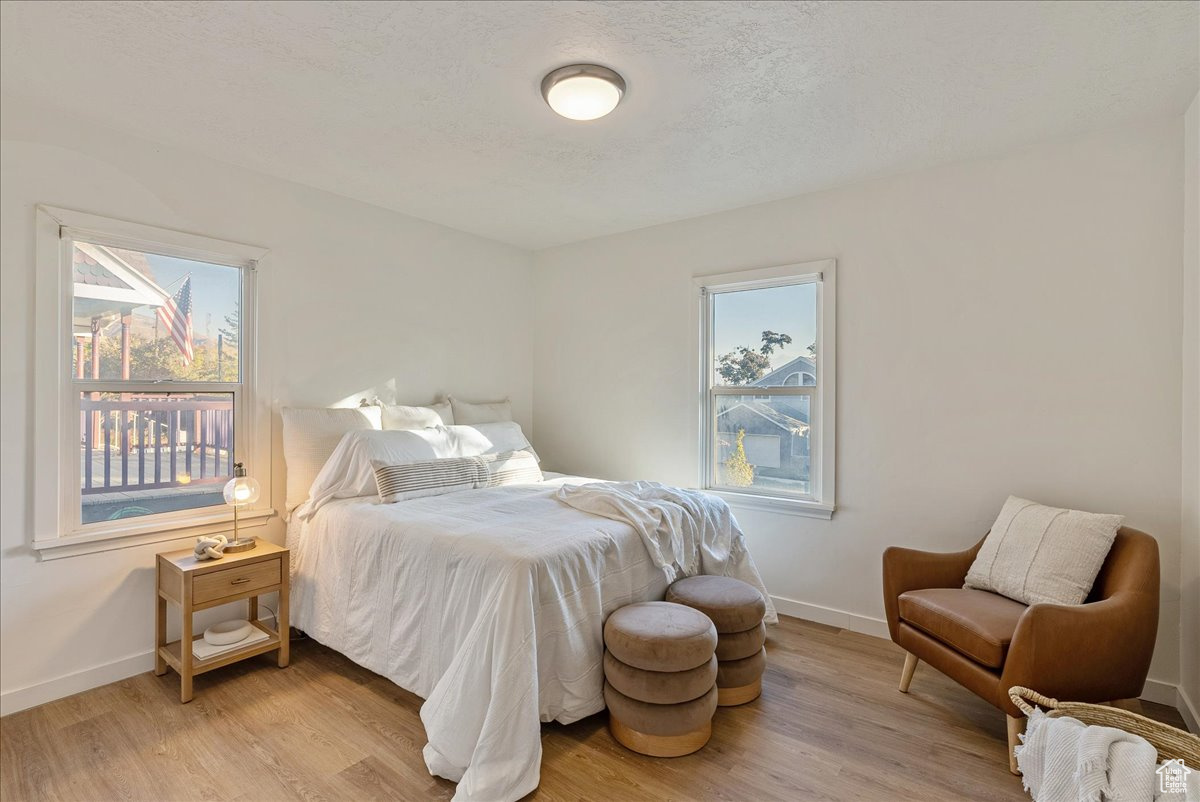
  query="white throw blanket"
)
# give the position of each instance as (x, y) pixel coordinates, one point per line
(686, 532)
(1064, 760)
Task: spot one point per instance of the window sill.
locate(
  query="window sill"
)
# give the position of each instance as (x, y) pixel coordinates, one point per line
(785, 506)
(145, 533)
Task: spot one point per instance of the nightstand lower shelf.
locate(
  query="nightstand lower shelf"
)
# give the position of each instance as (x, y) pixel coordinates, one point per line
(171, 652)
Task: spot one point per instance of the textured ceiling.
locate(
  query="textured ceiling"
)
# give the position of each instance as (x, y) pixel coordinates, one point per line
(433, 109)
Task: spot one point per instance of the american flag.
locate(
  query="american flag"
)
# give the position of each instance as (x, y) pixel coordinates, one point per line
(176, 315)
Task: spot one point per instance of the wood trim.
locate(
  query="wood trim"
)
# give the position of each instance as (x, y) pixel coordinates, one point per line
(172, 652)
(906, 674)
(184, 660)
(732, 697)
(1016, 726)
(283, 617)
(186, 560)
(235, 582)
(659, 745)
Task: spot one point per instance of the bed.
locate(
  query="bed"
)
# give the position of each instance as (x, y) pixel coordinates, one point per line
(488, 603)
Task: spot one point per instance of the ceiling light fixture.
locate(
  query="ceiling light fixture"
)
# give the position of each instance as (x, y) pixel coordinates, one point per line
(583, 91)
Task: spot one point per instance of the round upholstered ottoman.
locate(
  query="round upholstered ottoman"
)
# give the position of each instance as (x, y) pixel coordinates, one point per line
(736, 610)
(660, 672)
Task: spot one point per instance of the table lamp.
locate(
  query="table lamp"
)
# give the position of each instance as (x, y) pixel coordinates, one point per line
(240, 491)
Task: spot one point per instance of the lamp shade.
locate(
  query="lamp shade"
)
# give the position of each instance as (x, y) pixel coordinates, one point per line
(241, 489)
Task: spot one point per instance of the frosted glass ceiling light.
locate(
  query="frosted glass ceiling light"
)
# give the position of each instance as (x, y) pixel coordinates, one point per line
(583, 91)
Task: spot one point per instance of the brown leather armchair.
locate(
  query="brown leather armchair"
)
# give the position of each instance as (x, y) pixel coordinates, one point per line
(1098, 651)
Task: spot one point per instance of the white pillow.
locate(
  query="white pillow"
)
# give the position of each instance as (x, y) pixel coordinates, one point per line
(398, 416)
(490, 438)
(489, 412)
(310, 436)
(1037, 554)
(349, 472)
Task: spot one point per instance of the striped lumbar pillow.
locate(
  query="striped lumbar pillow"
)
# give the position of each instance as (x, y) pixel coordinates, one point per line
(1036, 553)
(438, 476)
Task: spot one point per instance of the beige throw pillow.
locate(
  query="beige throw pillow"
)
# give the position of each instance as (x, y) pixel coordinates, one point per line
(398, 416)
(488, 412)
(1036, 553)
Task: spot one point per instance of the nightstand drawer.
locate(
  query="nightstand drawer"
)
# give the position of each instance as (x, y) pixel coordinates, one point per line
(235, 580)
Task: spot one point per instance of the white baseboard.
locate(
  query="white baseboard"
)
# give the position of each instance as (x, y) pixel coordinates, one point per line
(1163, 693)
(1187, 708)
(88, 678)
(829, 616)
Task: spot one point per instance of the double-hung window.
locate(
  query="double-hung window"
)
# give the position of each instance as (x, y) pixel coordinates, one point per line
(767, 386)
(146, 371)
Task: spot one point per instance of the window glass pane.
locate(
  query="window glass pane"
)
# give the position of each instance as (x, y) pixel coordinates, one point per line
(762, 443)
(766, 337)
(146, 453)
(145, 317)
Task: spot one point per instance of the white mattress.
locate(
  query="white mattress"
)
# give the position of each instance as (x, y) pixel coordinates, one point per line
(487, 603)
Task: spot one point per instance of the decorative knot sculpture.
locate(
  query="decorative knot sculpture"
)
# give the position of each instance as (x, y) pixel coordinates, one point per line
(211, 547)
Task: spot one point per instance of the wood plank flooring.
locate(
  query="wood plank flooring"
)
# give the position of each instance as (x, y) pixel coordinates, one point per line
(830, 726)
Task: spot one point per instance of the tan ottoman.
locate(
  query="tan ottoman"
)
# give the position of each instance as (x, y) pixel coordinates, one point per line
(660, 671)
(736, 610)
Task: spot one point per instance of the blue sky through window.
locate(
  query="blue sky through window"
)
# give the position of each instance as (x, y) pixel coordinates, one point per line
(740, 318)
(215, 289)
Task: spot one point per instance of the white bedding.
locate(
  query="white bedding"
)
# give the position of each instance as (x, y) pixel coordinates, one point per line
(487, 603)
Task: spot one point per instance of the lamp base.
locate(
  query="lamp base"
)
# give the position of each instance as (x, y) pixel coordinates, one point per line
(241, 544)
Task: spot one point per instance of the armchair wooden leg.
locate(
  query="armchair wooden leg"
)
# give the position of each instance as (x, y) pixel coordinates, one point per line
(1132, 705)
(910, 665)
(1016, 726)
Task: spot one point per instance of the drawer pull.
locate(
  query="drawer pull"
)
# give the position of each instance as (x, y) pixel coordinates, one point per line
(241, 580)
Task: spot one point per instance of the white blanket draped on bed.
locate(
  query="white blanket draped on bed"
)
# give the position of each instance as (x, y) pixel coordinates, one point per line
(487, 603)
(686, 532)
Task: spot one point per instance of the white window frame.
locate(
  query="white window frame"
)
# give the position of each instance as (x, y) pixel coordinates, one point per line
(820, 502)
(57, 527)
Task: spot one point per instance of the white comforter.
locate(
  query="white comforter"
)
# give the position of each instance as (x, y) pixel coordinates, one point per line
(489, 604)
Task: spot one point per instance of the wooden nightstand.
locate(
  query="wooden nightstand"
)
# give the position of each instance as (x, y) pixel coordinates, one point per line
(199, 584)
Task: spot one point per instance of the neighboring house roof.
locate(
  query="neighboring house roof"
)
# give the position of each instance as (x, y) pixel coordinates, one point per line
(105, 284)
(773, 416)
(86, 270)
(801, 364)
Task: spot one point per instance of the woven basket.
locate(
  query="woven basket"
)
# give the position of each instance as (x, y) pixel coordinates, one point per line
(1171, 743)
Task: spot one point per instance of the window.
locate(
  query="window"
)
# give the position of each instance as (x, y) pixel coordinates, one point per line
(800, 379)
(768, 386)
(145, 379)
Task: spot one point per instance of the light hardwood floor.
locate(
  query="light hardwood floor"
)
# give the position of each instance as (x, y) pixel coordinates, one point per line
(830, 725)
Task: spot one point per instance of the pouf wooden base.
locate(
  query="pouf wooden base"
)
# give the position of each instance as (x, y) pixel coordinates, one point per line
(732, 697)
(659, 745)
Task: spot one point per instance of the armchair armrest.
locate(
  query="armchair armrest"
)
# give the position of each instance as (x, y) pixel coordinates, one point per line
(1095, 652)
(910, 569)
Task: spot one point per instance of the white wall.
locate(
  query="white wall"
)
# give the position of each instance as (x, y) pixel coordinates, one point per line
(1010, 325)
(358, 298)
(1189, 580)
(1005, 326)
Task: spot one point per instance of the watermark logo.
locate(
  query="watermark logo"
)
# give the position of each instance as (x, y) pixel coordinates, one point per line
(1172, 777)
